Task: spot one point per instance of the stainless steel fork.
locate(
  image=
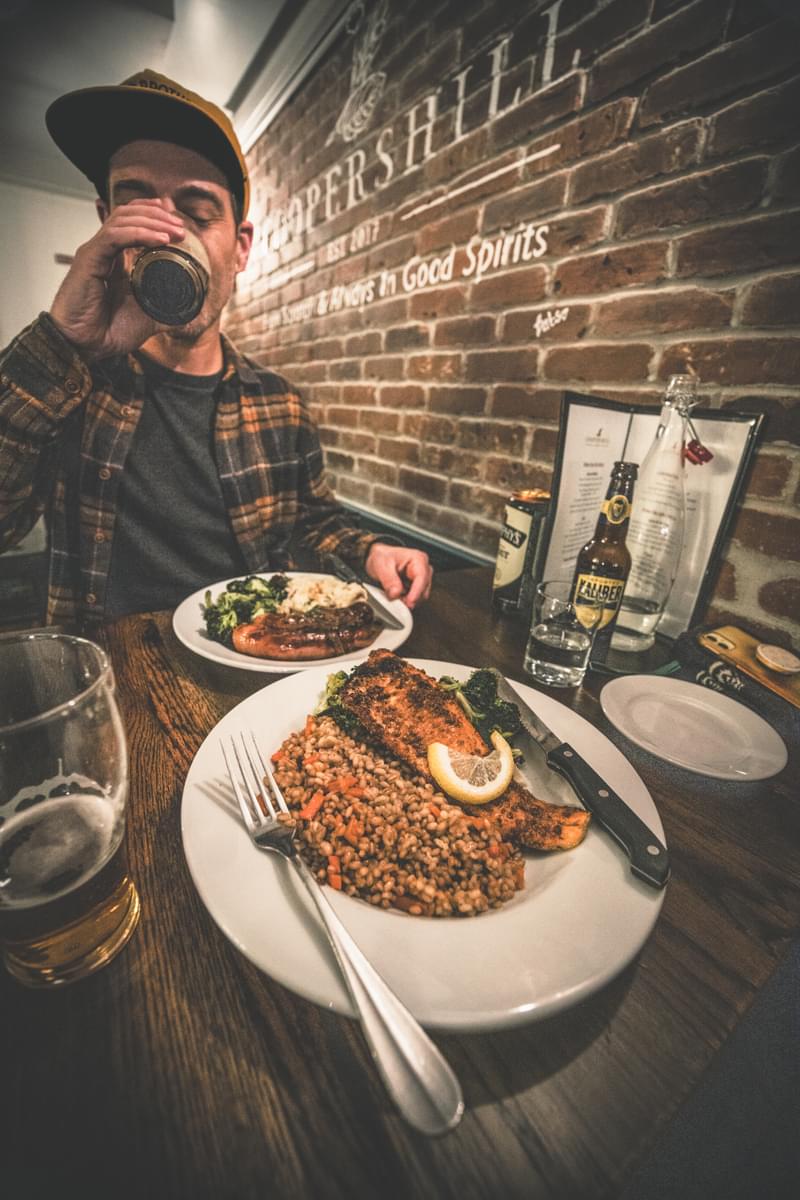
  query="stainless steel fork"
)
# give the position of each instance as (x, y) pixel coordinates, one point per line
(416, 1075)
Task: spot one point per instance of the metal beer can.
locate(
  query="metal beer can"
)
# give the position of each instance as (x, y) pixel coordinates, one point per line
(519, 549)
(170, 282)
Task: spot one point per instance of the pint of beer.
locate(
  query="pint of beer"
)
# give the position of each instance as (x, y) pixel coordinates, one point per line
(67, 904)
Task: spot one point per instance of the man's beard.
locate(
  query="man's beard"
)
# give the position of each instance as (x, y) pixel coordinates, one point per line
(209, 314)
(187, 335)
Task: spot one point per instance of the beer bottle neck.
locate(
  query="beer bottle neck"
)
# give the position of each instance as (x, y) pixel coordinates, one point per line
(610, 532)
(615, 512)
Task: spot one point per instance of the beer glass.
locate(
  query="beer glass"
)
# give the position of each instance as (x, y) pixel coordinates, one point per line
(561, 634)
(170, 282)
(67, 904)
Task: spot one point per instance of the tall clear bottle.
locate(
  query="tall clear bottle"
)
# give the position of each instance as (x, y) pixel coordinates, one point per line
(656, 531)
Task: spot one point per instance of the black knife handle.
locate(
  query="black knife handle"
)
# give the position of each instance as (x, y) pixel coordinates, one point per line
(648, 856)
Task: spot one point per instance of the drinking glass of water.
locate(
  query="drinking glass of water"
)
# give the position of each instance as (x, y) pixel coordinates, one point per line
(561, 634)
(67, 903)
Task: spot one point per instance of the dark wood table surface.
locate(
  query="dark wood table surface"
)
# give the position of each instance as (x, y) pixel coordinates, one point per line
(181, 1070)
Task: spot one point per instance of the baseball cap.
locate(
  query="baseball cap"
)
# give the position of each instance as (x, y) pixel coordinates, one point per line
(90, 125)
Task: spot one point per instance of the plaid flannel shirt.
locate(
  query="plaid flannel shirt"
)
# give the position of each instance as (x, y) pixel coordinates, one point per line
(65, 431)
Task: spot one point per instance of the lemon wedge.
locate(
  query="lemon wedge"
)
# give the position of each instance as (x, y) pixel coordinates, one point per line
(472, 778)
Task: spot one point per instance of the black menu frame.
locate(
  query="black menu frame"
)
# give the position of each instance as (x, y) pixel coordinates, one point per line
(594, 432)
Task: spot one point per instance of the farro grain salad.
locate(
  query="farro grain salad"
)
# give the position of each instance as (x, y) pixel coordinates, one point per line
(371, 820)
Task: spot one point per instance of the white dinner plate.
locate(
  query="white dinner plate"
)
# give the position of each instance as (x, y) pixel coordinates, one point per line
(190, 628)
(694, 727)
(580, 918)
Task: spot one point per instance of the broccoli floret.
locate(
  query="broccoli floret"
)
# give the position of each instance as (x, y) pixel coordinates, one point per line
(275, 586)
(478, 697)
(330, 706)
(505, 718)
(348, 723)
(279, 586)
(481, 690)
(264, 603)
(220, 626)
(222, 617)
(242, 600)
(333, 685)
(252, 584)
(266, 594)
(237, 586)
(457, 688)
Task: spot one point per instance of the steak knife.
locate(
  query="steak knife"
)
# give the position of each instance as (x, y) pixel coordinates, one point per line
(340, 569)
(648, 856)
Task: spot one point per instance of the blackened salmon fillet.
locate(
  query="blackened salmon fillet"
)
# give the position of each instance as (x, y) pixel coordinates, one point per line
(403, 709)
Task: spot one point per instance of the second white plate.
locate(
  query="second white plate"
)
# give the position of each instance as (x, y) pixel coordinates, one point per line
(189, 627)
(693, 727)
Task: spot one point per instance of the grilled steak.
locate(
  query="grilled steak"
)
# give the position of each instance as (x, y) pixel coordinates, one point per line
(403, 709)
(323, 632)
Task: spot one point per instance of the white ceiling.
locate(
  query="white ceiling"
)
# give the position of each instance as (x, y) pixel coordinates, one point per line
(48, 47)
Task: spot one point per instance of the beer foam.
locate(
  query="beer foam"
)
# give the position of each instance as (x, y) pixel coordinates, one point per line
(51, 848)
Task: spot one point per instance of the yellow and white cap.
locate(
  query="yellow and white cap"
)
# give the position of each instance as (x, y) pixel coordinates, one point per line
(90, 125)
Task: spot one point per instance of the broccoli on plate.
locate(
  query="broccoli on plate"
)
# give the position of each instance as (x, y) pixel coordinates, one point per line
(239, 604)
(478, 697)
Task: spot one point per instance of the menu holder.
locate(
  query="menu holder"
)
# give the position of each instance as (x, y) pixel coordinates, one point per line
(596, 432)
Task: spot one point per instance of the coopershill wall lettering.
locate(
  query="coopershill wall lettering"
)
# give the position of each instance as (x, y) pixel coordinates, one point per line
(402, 147)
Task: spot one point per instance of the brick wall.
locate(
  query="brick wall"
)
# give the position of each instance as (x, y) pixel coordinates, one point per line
(633, 162)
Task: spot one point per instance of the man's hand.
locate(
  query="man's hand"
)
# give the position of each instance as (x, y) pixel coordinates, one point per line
(95, 308)
(402, 573)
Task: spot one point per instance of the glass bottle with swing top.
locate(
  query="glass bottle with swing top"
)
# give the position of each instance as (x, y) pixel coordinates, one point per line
(656, 531)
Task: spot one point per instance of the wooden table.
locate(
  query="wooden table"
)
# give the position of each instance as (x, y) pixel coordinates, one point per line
(182, 1071)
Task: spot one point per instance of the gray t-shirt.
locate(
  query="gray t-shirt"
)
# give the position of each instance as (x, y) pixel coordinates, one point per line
(172, 534)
